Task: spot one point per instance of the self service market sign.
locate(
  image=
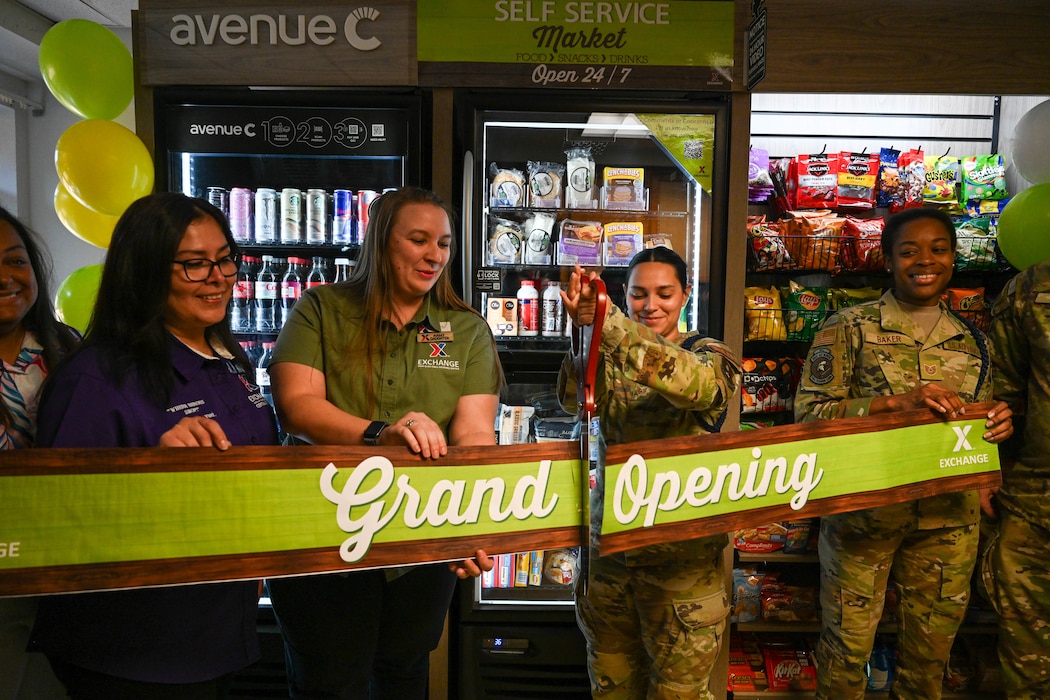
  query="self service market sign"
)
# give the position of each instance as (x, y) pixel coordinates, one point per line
(676, 44)
(77, 520)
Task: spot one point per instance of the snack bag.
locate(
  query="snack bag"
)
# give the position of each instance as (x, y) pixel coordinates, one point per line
(507, 188)
(579, 171)
(841, 298)
(545, 184)
(970, 304)
(768, 384)
(976, 245)
(804, 310)
(865, 244)
(764, 314)
(504, 242)
(984, 177)
(942, 180)
(814, 239)
(759, 182)
(912, 167)
(747, 594)
(768, 251)
(818, 176)
(856, 180)
(889, 188)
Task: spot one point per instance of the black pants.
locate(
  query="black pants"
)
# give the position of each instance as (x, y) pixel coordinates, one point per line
(360, 637)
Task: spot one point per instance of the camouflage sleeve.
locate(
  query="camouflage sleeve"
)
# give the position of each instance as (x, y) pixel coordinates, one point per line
(825, 387)
(1009, 345)
(702, 379)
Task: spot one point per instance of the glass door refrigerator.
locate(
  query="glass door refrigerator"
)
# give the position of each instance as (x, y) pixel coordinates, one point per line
(294, 170)
(550, 180)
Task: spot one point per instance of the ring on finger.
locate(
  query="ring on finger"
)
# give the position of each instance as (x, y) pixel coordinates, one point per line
(410, 422)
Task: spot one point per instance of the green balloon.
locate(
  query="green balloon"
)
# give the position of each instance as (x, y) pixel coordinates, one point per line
(1024, 227)
(87, 68)
(75, 298)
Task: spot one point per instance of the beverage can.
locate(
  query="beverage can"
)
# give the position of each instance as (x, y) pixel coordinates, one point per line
(316, 216)
(265, 215)
(219, 198)
(240, 216)
(364, 201)
(291, 215)
(343, 218)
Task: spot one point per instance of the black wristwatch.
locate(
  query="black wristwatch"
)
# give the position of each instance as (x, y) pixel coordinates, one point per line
(373, 431)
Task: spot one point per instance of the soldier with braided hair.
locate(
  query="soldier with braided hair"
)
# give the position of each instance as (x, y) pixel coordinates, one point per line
(906, 350)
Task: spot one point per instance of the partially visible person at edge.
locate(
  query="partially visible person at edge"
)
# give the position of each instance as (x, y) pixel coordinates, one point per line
(32, 341)
(904, 351)
(654, 617)
(158, 366)
(352, 366)
(1016, 567)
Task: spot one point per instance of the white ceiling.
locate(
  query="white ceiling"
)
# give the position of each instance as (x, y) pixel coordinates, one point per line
(24, 22)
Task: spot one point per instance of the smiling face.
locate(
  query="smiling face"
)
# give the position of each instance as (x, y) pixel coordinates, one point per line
(655, 297)
(194, 306)
(418, 250)
(921, 262)
(18, 287)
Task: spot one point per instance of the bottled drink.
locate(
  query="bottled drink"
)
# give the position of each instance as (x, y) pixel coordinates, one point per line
(266, 293)
(528, 308)
(265, 215)
(291, 216)
(342, 270)
(242, 304)
(291, 288)
(316, 217)
(262, 370)
(552, 315)
(317, 276)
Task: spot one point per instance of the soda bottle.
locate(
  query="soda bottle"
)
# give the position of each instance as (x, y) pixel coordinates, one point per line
(291, 288)
(317, 277)
(262, 370)
(342, 270)
(266, 293)
(243, 299)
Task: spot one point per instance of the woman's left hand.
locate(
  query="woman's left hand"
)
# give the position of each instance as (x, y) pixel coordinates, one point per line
(472, 568)
(999, 424)
(420, 434)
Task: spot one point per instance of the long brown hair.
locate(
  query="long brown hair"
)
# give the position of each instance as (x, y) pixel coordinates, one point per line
(372, 279)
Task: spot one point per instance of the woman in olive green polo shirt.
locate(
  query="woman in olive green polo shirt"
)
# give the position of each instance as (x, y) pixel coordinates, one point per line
(391, 357)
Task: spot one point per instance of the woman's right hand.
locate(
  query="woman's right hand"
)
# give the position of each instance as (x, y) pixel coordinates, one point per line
(419, 433)
(580, 298)
(195, 431)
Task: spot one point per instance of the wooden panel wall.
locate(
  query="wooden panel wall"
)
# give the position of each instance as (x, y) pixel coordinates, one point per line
(996, 47)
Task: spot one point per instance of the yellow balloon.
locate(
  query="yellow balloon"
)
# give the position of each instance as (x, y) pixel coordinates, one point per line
(104, 165)
(86, 224)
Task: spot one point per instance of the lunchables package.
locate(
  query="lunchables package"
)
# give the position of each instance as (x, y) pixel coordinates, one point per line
(624, 188)
(623, 239)
(580, 242)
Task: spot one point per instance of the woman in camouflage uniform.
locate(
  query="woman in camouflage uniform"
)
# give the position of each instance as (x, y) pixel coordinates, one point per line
(904, 351)
(654, 617)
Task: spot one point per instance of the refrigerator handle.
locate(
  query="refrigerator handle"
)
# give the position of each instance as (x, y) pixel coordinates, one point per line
(467, 213)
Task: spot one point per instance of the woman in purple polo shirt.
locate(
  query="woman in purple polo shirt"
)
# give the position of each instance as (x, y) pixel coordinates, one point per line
(158, 366)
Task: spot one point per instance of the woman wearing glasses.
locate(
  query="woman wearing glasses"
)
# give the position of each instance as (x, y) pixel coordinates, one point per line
(158, 366)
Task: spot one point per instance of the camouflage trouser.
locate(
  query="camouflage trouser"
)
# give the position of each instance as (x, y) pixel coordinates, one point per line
(652, 631)
(931, 570)
(1016, 574)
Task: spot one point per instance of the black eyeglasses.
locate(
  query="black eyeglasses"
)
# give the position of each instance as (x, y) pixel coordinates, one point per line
(199, 269)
